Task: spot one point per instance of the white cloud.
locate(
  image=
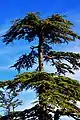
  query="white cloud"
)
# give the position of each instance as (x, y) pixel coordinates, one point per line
(75, 76)
(66, 118)
(78, 104)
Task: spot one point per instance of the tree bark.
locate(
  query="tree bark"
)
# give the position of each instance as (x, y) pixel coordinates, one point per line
(8, 108)
(13, 109)
(57, 115)
(40, 52)
(41, 69)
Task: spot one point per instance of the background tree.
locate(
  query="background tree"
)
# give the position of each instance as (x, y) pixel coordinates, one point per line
(54, 91)
(9, 100)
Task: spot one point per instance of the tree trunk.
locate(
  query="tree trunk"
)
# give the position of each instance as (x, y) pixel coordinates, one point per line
(40, 52)
(13, 109)
(41, 69)
(57, 115)
(8, 108)
(42, 115)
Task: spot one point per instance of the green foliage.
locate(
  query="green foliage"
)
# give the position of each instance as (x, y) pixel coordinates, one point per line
(30, 114)
(9, 99)
(52, 30)
(57, 91)
(64, 61)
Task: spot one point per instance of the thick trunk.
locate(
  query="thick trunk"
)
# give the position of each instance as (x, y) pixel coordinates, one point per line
(41, 69)
(40, 52)
(43, 113)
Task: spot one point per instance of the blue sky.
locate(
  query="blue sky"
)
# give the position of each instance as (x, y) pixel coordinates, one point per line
(13, 9)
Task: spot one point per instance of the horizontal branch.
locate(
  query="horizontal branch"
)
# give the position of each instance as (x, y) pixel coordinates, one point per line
(64, 61)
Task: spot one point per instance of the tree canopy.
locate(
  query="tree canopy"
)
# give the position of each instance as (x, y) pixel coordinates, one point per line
(47, 32)
(9, 100)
